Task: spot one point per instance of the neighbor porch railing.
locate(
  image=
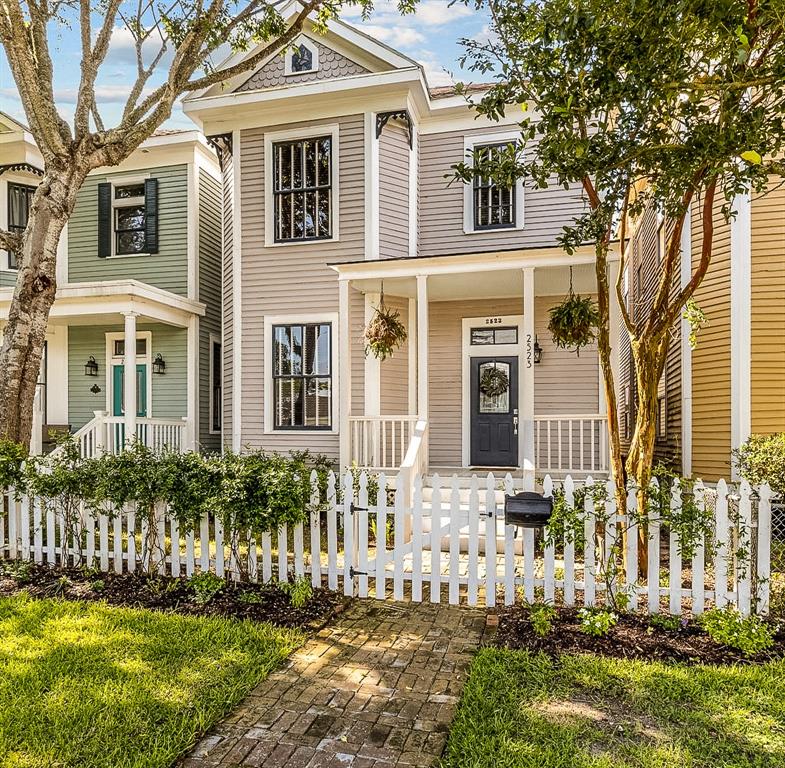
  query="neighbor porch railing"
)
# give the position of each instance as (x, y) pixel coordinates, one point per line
(106, 434)
(571, 443)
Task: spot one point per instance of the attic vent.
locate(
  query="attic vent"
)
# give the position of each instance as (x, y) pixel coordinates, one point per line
(302, 57)
(302, 60)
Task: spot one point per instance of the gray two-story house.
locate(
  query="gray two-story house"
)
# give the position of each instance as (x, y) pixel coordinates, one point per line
(336, 160)
(133, 345)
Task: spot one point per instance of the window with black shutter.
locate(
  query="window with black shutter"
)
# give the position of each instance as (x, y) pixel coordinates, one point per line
(302, 189)
(128, 218)
(20, 197)
(302, 376)
(494, 206)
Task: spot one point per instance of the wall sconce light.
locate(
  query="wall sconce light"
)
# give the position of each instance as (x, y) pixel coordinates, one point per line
(95, 389)
(159, 364)
(91, 367)
(537, 352)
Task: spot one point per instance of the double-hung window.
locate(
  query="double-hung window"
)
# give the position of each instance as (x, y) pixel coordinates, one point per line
(302, 376)
(494, 206)
(20, 197)
(129, 217)
(302, 189)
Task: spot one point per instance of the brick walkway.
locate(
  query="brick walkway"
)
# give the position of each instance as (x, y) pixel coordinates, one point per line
(378, 688)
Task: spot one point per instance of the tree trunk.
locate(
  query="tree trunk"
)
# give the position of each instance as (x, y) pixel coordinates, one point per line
(25, 332)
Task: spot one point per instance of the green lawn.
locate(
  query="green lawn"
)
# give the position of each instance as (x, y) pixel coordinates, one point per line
(85, 684)
(521, 710)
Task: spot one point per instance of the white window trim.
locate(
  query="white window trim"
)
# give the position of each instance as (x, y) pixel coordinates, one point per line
(337, 381)
(469, 143)
(214, 339)
(311, 46)
(468, 351)
(124, 181)
(112, 360)
(307, 132)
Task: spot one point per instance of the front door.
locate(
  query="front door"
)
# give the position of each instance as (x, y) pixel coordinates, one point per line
(118, 390)
(494, 414)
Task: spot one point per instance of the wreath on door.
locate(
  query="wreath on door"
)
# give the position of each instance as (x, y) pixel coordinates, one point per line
(494, 382)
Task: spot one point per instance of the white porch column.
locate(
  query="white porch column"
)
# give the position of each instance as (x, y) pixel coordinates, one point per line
(129, 377)
(740, 320)
(411, 346)
(422, 346)
(372, 389)
(526, 385)
(344, 375)
(192, 386)
(686, 354)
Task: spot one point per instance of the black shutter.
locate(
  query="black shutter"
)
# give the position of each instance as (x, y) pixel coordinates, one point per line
(104, 220)
(151, 215)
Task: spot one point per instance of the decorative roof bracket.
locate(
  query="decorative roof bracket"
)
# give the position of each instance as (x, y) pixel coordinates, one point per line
(26, 167)
(222, 144)
(382, 118)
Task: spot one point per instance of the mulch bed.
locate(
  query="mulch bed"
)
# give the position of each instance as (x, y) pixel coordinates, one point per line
(633, 637)
(257, 602)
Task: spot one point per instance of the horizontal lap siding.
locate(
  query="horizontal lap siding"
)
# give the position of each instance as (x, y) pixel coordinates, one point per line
(441, 205)
(295, 279)
(394, 373)
(227, 296)
(167, 269)
(169, 393)
(711, 373)
(563, 383)
(210, 294)
(393, 192)
(768, 312)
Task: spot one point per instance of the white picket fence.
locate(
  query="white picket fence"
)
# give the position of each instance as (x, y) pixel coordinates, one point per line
(451, 544)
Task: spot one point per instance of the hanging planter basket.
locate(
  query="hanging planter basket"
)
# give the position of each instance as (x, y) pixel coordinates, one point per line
(494, 382)
(385, 332)
(574, 322)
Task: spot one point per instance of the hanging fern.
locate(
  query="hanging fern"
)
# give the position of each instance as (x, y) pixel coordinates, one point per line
(385, 332)
(574, 322)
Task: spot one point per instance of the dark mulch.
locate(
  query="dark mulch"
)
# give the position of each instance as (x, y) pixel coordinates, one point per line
(633, 637)
(258, 602)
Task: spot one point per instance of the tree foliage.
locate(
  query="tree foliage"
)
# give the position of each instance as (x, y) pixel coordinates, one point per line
(637, 103)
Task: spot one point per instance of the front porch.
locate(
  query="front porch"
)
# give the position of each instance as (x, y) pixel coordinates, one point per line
(426, 411)
(121, 360)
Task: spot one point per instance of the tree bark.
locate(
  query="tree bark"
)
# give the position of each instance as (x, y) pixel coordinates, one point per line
(34, 294)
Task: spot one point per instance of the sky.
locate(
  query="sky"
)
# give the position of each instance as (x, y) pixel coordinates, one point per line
(430, 36)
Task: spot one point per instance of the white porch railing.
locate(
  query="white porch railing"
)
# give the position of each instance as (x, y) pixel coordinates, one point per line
(106, 434)
(571, 443)
(380, 442)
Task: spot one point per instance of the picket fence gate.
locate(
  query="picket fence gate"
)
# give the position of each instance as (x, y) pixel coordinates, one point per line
(454, 545)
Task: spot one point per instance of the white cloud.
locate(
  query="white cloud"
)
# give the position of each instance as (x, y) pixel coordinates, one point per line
(398, 36)
(436, 74)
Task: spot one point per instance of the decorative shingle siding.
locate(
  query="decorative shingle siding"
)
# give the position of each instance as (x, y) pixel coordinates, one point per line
(167, 269)
(441, 204)
(332, 65)
(210, 294)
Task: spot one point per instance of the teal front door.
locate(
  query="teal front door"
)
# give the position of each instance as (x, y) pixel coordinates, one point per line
(118, 390)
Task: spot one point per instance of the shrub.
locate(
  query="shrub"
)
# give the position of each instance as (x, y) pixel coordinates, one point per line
(727, 626)
(205, 586)
(300, 591)
(665, 622)
(541, 616)
(12, 457)
(762, 460)
(597, 622)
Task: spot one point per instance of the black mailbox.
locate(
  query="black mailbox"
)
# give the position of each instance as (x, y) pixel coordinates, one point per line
(528, 509)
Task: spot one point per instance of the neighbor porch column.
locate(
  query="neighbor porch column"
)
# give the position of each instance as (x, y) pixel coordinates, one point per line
(344, 374)
(526, 404)
(192, 386)
(129, 377)
(411, 349)
(422, 355)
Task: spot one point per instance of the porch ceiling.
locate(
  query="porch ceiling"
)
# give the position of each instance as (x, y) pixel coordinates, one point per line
(474, 284)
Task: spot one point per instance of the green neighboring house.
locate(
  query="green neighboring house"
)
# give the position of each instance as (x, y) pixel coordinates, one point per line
(134, 340)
